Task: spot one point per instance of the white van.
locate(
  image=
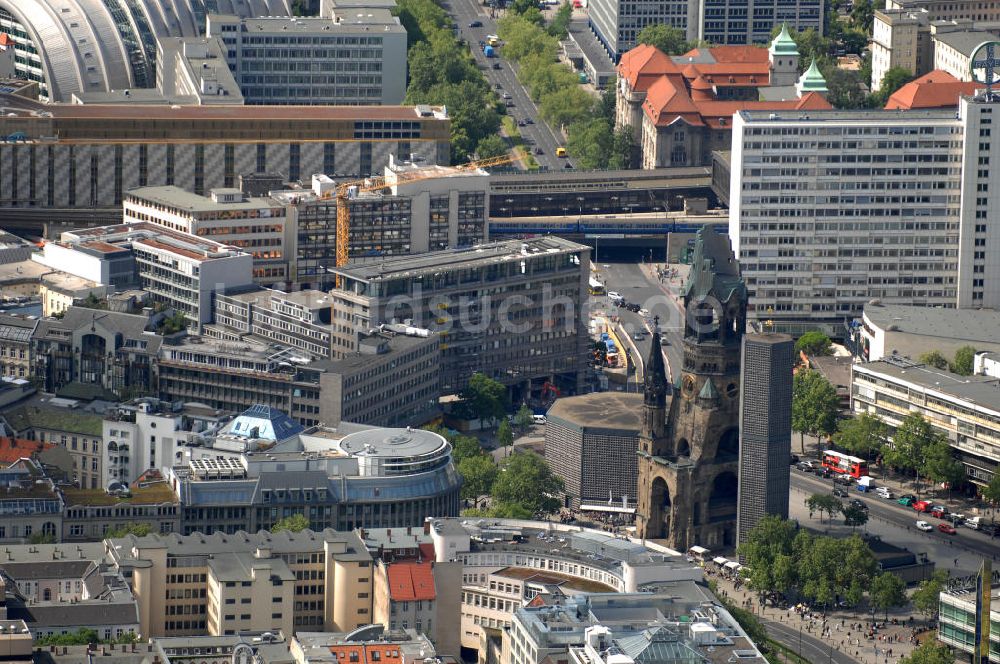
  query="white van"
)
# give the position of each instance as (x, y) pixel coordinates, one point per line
(883, 492)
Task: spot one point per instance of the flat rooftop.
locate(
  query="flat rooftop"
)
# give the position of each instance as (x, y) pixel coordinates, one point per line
(182, 199)
(150, 113)
(351, 18)
(458, 259)
(852, 117)
(621, 411)
(154, 494)
(548, 578)
(399, 344)
(951, 324)
(981, 391)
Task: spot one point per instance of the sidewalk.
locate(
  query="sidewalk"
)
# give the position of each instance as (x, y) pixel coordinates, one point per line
(850, 632)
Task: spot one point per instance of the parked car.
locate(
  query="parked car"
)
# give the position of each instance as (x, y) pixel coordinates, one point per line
(538, 419)
(496, 65)
(938, 511)
(823, 472)
(846, 480)
(955, 519)
(947, 528)
(907, 500)
(924, 526)
(476, 24)
(793, 459)
(884, 492)
(921, 506)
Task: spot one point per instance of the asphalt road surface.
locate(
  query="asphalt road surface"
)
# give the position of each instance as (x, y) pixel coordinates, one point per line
(811, 649)
(635, 285)
(896, 524)
(538, 134)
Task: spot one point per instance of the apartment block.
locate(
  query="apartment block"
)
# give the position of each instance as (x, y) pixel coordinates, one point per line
(66, 423)
(511, 310)
(958, 620)
(831, 209)
(29, 504)
(299, 319)
(257, 226)
(149, 433)
(965, 409)
(765, 429)
(15, 345)
(345, 58)
(222, 584)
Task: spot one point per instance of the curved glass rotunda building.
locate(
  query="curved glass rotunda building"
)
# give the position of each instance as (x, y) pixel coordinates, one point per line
(78, 46)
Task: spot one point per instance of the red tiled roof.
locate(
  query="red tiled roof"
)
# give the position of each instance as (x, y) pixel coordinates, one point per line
(733, 54)
(12, 449)
(410, 581)
(667, 102)
(719, 114)
(5, 40)
(937, 89)
(643, 65)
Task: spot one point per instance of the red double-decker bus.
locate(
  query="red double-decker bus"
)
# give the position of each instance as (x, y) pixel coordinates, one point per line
(844, 464)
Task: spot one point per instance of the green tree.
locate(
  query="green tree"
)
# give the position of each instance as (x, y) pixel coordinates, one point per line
(173, 323)
(526, 480)
(293, 524)
(566, 106)
(590, 143)
(80, 637)
(934, 359)
(137, 529)
(769, 554)
(485, 397)
(863, 436)
(846, 89)
(888, 591)
(491, 146)
(894, 79)
(855, 516)
(478, 474)
(607, 106)
(559, 27)
(965, 359)
(524, 418)
(814, 405)
(464, 447)
(667, 38)
(824, 502)
(991, 491)
(926, 598)
(621, 148)
(930, 652)
(510, 511)
(828, 567)
(505, 436)
(914, 435)
(939, 465)
(92, 302)
(813, 342)
(863, 15)
(522, 6)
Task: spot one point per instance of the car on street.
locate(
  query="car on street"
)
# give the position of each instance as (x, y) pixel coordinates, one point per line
(560, 152)
(884, 492)
(498, 86)
(924, 526)
(496, 65)
(509, 104)
(538, 419)
(793, 459)
(805, 466)
(954, 519)
(539, 151)
(907, 500)
(947, 528)
(614, 295)
(505, 95)
(938, 511)
(845, 480)
(476, 24)
(839, 493)
(859, 504)
(921, 506)
(823, 472)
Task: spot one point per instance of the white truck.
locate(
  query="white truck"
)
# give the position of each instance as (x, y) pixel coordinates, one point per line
(973, 522)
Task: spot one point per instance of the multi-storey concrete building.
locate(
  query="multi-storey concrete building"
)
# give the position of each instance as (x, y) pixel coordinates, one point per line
(510, 310)
(63, 422)
(258, 226)
(179, 270)
(892, 329)
(91, 514)
(617, 23)
(82, 47)
(30, 505)
(346, 58)
(830, 209)
(594, 628)
(87, 156)
(966, 409)
(350, 477)
(223, 584)
(591, 442)
(15, 345)
(105, 352)
(957, 619)
(765, 429)
(148, 433)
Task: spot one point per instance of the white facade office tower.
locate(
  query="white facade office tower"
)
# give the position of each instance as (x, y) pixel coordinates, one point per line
(617, 23)
(832, 209)
(765, 429)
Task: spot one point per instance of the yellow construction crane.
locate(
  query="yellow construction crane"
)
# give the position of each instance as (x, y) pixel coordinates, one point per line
(379, 182)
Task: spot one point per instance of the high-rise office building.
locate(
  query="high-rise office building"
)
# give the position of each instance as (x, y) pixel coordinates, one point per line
(765, 428)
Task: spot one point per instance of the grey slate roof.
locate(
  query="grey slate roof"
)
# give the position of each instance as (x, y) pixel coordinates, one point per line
(965, 324)
(48, 569)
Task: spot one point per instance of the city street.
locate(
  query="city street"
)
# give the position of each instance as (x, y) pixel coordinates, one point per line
(538, 134)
